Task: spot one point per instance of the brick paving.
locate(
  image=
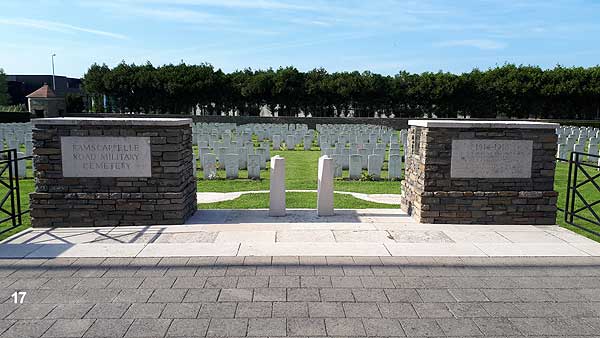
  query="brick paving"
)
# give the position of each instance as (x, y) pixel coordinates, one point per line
(301, 297)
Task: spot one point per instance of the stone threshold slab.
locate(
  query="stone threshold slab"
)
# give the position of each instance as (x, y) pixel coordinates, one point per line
(298, 249)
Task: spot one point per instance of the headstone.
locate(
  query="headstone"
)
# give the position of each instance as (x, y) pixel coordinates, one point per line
(290, 142)
(325, 186)
(276, 142)
(243, 157)
(277, 187)
(232, 165)
(337, 164)
(195, 163)
(592, 150)
(374, 166)
(355, 168)
(254, 166)
(363, 157)
(562, 151)
(345, 158)
(22, 166)
(307, 142)
(28, 147)
(201, 152)
(395, 167)
(209, 166)
(263, 159)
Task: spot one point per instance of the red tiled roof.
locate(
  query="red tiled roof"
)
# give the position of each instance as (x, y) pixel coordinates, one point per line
(44, 92)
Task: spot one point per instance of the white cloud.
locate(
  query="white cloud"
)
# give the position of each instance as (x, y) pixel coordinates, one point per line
(485, 44)
(58, 27)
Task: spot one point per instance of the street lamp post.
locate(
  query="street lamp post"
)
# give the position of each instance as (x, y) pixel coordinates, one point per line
(53, 79)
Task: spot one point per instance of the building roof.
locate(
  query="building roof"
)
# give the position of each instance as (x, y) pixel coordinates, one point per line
(44, 92)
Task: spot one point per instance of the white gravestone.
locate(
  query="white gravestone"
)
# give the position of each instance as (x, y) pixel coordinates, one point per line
(263, 159)
(254, 166)
(325, 187)
(276, 142)
(491, 159)
(209, 166)
(395, 166)
(277, 187)
(201, 152)
(364, 157)
(592, 150)
(290, 142)
(307, 142)
(374, 166)
(22, 166)
(355, 166)
(194, 163)
(337, 163)
(232, 165)
(28, 148)
(106, 156)
(562, 151)
(243, 158)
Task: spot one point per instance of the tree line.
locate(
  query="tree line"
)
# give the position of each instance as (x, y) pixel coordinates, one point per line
(508, 91)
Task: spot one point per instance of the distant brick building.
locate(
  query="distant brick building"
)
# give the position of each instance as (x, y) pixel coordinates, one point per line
(45, 103)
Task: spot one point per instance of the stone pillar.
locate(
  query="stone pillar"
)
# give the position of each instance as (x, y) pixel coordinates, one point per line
(277, 187)
(480, 172)
(325, 187)
(112, 172)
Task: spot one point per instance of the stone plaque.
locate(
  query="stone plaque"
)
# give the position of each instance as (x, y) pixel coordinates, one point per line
(491, 158)
(106, 156)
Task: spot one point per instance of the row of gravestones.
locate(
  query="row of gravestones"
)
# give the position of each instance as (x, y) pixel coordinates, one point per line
(352, 132)
(578, 139)
(15, 136)
(231, 162)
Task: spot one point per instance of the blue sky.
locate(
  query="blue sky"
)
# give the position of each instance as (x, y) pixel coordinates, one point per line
(382, 36)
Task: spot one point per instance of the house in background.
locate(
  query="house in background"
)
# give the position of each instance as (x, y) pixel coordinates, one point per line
(45, 103)
(19, 86)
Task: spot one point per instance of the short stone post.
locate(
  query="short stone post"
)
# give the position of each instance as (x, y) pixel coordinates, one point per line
(277, 187)
(325, 187)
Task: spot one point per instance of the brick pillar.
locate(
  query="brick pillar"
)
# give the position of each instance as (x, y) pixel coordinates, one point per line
(498, 172)
(118, 172)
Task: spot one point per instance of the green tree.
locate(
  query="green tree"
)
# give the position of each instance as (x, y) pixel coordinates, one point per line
(4, 98)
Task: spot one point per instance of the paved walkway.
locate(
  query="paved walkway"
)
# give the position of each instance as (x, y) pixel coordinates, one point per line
(364, 232)
(301, 297)
(212, 197)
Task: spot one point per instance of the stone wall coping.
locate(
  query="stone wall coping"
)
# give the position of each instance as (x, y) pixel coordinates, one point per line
(113, 121)
(482, 124)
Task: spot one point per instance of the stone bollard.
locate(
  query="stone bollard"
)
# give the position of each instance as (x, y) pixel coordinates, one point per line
(277, 187)
(325, 187)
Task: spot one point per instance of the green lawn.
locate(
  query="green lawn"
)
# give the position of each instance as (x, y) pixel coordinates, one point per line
(306, 200)
(589, 192)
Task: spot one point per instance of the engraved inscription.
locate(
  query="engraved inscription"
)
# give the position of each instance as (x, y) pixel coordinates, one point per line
(106, 156)
(491, 158)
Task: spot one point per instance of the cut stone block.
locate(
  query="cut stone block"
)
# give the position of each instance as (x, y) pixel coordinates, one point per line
(325, 186)
(277, 187)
